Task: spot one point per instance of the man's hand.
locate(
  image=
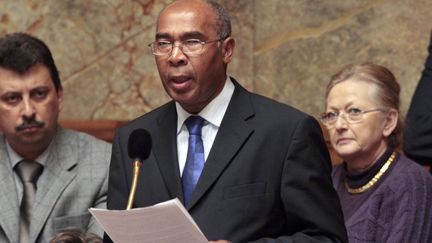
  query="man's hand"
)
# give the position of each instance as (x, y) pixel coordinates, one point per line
(219, 241)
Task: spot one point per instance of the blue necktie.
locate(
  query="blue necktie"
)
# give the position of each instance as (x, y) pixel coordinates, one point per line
(195, 157)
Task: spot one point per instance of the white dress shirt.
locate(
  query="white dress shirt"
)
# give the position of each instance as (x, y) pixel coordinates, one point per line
(213, 114)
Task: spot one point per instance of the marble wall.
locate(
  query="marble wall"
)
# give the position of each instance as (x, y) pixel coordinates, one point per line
(286, 49)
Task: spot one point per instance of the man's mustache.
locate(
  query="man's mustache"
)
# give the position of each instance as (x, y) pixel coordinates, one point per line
(28, 124)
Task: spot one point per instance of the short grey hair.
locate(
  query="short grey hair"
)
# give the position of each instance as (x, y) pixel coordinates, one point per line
(223, 19)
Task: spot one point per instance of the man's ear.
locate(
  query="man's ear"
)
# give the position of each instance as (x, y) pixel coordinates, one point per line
(228, 46)
(390, 122)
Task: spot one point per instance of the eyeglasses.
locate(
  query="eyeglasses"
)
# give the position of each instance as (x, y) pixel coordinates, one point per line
(190, 47)
(351, 116)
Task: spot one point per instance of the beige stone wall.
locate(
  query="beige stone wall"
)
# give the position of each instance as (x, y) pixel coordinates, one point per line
(286, 49)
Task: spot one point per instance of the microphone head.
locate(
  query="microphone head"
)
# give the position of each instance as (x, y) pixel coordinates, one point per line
(139, 144)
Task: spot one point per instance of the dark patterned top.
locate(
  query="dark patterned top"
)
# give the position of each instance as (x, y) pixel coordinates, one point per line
(398, 208)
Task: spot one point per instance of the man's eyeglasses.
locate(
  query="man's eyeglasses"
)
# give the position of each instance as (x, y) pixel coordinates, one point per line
(190, 47)
(351, 116)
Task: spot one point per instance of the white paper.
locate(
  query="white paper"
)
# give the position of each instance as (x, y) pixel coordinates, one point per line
(166, 222)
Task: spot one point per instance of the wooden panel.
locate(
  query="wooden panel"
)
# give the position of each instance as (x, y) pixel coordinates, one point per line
(103, 129)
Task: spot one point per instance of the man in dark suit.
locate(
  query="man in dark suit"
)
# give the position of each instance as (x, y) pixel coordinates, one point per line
(266, 176)
(418, 130)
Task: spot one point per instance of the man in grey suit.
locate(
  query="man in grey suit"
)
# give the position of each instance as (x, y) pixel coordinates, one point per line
(265, 173)
(72, 166)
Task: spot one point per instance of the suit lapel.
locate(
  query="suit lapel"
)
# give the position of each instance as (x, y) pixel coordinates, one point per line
(9, 210)
(57, 174)
(232, 134)
(165, 150)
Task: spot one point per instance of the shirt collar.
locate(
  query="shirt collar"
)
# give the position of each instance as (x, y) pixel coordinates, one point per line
(14, 157)
(213, 112)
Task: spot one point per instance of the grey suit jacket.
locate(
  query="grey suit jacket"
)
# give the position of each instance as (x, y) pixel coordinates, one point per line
(73, 180)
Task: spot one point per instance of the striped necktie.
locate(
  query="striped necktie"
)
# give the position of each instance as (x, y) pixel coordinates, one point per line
(29, 172)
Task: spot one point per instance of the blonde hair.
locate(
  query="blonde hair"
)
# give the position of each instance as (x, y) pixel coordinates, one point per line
(388, 90)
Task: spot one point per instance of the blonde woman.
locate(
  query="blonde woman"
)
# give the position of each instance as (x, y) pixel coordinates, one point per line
(385, 196)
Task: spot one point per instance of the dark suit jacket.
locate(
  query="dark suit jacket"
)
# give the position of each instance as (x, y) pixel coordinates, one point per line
(418, 129)
(267, 176)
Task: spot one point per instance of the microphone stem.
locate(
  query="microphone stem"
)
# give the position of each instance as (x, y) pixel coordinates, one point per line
(136, 167)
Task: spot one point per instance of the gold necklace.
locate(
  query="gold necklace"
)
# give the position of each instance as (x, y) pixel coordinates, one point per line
(374, 179)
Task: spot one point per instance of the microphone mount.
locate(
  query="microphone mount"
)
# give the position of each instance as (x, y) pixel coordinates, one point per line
(136, 167)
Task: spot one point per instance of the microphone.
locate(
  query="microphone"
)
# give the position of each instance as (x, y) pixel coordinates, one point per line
(139, 146)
